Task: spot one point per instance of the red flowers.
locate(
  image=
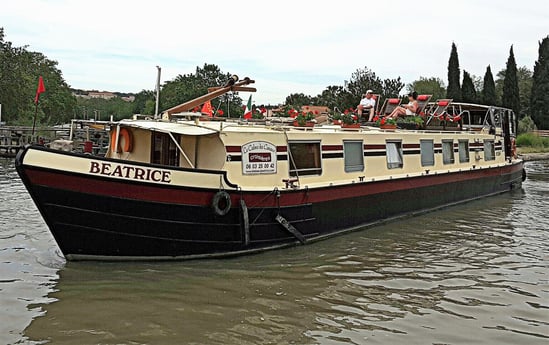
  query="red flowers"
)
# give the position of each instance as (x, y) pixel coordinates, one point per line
(293, 113)
(383, 121)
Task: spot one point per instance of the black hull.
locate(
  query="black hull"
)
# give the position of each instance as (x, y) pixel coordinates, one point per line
(95, 226)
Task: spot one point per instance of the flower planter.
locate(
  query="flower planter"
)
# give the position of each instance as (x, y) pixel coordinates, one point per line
(307, 124)
(336, 122)
(407, 125)
(388, 126)
(350, 125)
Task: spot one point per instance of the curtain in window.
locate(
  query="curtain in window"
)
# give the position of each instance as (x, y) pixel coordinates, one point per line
(427, 152)
(354, 156)
(448, 152)
(394, 156)
(463, 151)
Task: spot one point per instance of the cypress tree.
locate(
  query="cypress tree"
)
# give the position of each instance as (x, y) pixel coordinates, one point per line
(468, 92)
(539, 100)
(511, 98)
(454, 90)
(489, 88)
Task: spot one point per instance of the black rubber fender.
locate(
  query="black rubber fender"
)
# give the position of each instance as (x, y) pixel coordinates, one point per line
(221, 203)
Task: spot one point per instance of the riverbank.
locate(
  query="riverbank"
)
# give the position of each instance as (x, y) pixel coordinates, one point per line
(540, 156)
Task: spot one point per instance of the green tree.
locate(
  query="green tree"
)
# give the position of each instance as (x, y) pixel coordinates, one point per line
(335, 96)
(540, 87)
(189, 86)
(468, 92)
(524, 77)
(454, 90)
(428, 86)
(141, 100)
(19, 72)
(298, 99)
(103, 109)
(364, 79)
(489, 88)
(511, 98)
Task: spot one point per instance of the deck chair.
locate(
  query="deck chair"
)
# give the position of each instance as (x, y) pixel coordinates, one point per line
(377, 108)
(389, 105)
(440, 110)
(422, 102)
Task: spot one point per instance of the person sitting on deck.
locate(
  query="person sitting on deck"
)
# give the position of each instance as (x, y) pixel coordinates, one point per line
(406, 109)
(367, 103)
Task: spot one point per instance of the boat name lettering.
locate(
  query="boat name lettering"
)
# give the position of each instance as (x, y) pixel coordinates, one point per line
(117, 170)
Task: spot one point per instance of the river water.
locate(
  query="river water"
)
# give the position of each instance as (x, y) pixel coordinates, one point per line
(477, 273)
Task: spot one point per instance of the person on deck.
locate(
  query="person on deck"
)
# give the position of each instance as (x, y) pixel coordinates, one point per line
(367, 103)
(406, 109)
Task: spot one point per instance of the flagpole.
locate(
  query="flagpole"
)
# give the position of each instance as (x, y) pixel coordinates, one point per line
(34, 120)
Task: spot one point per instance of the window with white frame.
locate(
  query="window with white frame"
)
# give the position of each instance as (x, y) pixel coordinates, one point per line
(448, 151)
(305, 158)
(489, 150)
(427, 152)
(353, 154)
(463, 151)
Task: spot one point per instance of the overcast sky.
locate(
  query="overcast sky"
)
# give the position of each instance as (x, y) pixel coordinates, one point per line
(286, 46)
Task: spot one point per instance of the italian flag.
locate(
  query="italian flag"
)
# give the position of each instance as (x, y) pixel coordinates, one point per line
(248, 111)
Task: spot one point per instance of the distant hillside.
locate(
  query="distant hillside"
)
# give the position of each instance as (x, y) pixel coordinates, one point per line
(128, 97)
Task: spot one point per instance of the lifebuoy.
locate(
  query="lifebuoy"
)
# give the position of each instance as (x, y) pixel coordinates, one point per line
(221, 203)
(513, 148)
(125, 141)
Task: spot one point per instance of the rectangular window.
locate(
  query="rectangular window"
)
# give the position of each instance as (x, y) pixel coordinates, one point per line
(394, 154)
(305, 158)
(164, 151)
(353, 154)
(464, 151)
(448, 151)
(427, 152)
(489, 150)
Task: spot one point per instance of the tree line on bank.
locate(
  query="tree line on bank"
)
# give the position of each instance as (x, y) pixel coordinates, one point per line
(523, 90)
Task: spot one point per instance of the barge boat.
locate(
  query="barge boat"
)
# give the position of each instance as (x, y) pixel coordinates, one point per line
(178, 187)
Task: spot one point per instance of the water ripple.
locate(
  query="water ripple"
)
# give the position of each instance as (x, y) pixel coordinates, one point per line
(475, 273)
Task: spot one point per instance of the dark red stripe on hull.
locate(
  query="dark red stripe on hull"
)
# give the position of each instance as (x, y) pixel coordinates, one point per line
(192, 196)
(96, 216)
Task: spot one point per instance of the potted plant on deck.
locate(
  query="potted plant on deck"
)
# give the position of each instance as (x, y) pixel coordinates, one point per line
(410, 122)
(336, 118)
(385, 122)
(304, 119)
(349, 121)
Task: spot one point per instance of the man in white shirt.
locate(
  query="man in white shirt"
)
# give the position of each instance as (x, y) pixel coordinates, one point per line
(367, 103)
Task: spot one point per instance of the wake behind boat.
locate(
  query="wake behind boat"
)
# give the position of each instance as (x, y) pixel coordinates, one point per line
(181, 188)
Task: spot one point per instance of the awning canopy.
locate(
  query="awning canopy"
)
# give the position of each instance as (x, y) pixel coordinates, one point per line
(169, 127)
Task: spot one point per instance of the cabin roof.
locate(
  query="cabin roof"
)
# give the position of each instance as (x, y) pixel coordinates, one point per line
(170, 127)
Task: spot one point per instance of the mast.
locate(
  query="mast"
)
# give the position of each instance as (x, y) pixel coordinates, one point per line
(233, 84)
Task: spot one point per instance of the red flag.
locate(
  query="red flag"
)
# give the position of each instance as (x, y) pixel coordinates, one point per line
(207, 109)
(41, 88)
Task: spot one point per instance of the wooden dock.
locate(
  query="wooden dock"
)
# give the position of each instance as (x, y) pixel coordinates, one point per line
(14, 138)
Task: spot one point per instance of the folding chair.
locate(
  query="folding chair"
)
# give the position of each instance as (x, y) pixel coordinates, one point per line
(389, 105)
(440, 111)
(422, 102)
(377, 108)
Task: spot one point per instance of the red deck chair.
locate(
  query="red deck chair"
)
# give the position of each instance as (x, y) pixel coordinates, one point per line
(389, 105)
(440, 110)
(422, 102)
